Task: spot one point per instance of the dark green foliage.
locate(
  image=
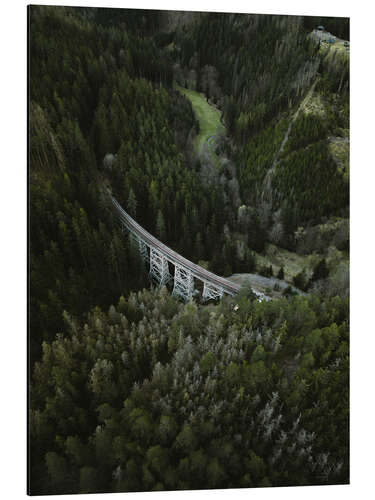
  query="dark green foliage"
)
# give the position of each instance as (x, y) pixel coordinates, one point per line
(288, 291)
(242, 49)
(153, 394)
(78, 256)
(185, 399)
(319, 188)
(335, 80)
(321, 270)
(307, 129)
(301, 280)
(261, 69)
(266, 271)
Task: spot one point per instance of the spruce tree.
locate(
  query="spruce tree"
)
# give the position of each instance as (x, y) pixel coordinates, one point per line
(131, 205)
(280, 274)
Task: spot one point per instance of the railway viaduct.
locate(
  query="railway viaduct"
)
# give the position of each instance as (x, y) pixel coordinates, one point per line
(161, 258)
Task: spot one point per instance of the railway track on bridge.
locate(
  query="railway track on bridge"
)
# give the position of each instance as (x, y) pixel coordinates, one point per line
(160, 255)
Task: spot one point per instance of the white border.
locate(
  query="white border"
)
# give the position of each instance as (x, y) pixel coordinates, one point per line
(13, 241)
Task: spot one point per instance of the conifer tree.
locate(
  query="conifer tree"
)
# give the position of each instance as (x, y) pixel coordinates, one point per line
(131, 205)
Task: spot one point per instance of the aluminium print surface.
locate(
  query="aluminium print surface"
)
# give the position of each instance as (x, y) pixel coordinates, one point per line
(188, 250)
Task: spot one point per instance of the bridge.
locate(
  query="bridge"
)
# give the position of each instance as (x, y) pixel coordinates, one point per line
(161, 257)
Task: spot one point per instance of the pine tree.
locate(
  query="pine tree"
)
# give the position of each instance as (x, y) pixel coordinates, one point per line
(131, 205)
(280, 274)
(321, 270)
(160, 226)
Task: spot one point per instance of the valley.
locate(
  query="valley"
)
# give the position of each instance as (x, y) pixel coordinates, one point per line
(189, 251)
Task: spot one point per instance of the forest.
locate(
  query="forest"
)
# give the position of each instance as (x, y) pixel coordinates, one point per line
(130, 389)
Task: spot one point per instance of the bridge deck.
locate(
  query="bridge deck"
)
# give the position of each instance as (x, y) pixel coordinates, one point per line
(172, 256)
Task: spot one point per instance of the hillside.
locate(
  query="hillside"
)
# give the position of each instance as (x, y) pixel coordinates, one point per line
(227, 138)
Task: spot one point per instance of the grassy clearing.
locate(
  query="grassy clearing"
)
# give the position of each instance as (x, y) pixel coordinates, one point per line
(337, 46)
(291, 262)
(294, 263)
(208, 116)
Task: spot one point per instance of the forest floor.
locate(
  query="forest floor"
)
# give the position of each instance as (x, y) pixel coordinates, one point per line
(207, 115)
